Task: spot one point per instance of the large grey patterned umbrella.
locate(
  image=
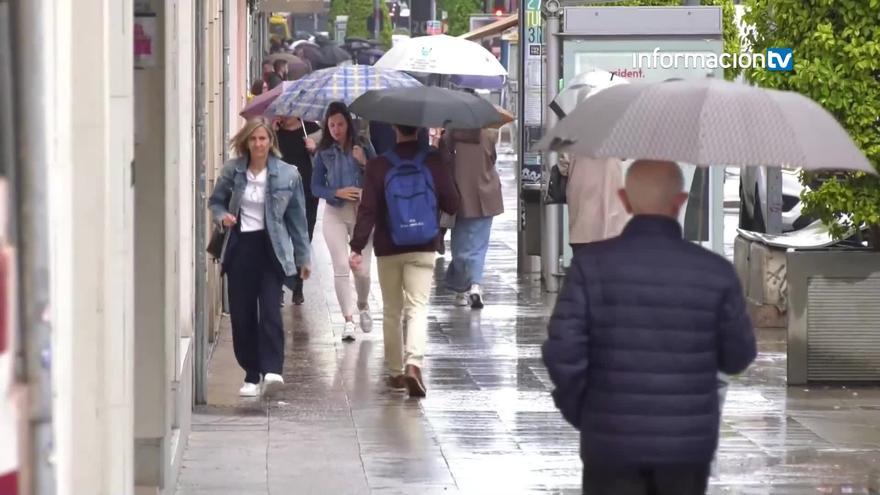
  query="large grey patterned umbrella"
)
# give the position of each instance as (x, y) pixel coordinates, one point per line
(707, 122)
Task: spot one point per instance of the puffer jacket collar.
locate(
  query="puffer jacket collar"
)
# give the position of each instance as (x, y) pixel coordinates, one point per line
(653, 225)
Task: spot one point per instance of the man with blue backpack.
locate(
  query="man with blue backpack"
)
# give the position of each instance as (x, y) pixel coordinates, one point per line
(405, 189)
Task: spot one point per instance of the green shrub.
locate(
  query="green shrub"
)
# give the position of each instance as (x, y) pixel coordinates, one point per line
(836, 49)
(358, 11)
(459, 14)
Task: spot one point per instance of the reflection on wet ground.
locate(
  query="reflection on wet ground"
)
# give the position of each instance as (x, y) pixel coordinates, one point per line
(488, 425)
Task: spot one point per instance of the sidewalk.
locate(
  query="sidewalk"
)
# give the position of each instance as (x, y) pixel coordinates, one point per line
(488, 425)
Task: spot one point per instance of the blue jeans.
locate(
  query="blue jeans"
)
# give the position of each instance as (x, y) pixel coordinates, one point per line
(470, 242)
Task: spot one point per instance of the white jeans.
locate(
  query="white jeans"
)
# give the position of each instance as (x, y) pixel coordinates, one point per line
(338, 227)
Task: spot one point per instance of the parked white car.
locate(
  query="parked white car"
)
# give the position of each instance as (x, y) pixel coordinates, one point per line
(753, 195)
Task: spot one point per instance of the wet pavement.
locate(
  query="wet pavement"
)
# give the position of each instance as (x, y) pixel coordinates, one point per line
(488, 425)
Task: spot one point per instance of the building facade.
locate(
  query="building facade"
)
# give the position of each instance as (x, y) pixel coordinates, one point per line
(121, 115)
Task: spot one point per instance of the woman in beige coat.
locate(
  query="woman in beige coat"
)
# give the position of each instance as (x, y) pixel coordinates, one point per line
(595, 211)
(472, 154)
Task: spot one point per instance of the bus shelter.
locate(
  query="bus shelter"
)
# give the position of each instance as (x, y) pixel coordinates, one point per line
(651, 44)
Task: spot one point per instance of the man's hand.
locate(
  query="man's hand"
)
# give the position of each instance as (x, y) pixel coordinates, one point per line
(305, 272)
(229, 220)
(355, 262)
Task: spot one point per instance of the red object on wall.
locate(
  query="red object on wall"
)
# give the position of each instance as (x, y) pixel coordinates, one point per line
(9, 483)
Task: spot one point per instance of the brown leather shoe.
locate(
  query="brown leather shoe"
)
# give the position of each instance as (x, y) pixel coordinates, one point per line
(414, 382)
(397, 382)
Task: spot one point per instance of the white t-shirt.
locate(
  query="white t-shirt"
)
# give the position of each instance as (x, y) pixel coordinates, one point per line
(253, 204)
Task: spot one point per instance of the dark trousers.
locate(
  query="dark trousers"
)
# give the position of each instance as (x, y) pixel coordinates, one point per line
(575, 248)
(294, 283)
(255, 278)
(665, 480)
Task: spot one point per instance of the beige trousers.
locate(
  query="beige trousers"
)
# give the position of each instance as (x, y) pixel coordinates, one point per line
(338, 228)
(405, 280)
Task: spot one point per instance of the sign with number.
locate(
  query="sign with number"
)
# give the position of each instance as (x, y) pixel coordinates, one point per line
(532, 79)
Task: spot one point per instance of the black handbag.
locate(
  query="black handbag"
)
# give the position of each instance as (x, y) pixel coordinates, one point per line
(556, 187)
(215, 246)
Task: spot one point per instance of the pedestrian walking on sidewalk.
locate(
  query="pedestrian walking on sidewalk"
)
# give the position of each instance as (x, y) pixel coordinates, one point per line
(259, 200)
(642, 326)
(296, 149)
(338, 179)
(404, 192)
(383, 138)
(595, 212)
(472, 153)
(278, 74)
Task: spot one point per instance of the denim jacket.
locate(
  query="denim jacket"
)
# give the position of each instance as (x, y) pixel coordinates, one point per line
(285, 214)
(334, 169)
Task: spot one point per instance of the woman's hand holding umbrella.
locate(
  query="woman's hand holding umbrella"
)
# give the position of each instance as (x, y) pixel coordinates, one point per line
(358, 153)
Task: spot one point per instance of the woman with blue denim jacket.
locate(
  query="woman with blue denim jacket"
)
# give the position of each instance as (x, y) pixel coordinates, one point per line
(259, 201)
(337, 178)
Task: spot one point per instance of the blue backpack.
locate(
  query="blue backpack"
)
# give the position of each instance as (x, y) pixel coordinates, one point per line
(412, 200)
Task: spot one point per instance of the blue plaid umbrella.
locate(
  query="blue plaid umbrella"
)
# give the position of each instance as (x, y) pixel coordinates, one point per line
(308, 97)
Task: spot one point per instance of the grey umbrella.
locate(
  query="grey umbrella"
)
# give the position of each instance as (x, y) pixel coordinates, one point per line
(707, 122)
(426, 107)
(582, 86)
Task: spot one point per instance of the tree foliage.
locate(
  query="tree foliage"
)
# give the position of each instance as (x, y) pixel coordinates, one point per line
(729, 33)
(836, 49)
(459, 14)
(358, 12)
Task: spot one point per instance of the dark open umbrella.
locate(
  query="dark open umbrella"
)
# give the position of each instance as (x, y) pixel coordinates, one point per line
(355, 44)
(296, 67)
(312, 53)
(427, 107)
(369, 56)
(323, 40)
(334, 55)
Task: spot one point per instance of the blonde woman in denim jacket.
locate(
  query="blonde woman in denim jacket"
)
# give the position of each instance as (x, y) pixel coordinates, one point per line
(337, 178)
(259, 200)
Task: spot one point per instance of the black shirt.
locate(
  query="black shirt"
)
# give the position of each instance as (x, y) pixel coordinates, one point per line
(293, 151)
(274, 80)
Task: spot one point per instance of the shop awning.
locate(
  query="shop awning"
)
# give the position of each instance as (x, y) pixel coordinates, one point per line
(294, 6)
(495, 28)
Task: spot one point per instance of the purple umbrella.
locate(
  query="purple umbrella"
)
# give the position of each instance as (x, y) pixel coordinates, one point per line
(260, 103)
(478, 82)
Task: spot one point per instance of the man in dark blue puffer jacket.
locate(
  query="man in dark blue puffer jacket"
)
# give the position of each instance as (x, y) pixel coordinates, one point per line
(642, 327)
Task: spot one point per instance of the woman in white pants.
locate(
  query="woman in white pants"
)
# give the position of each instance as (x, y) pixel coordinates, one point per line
(337, 178)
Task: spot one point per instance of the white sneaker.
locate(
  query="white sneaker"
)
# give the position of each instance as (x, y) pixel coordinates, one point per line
(366, 320)
(476, 297)
(249, 390)
(348, 332)
(461, 299)
(271, 383)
